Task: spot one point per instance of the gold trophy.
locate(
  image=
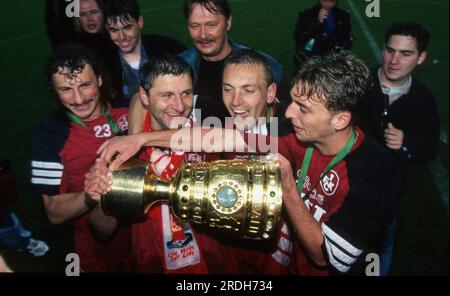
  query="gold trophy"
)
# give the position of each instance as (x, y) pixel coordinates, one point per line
(239, 196)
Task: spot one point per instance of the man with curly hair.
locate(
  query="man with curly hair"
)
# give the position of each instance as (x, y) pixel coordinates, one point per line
(64, 148)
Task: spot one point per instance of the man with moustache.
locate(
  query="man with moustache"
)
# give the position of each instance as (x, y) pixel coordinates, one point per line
(64, 145)
(209, 22)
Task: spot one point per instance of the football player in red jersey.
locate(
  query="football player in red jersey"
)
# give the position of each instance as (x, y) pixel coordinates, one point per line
(161, 243)
(342, 204)
(64, 148)
(249, 95)
(337, 201)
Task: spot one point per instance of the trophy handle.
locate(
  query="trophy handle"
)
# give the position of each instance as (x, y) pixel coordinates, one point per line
(135, 188)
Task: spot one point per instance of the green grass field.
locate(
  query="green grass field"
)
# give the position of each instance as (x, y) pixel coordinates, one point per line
(422, 242)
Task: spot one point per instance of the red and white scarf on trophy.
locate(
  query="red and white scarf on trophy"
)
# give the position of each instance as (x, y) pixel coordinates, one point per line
(180, 245)
(165, 162)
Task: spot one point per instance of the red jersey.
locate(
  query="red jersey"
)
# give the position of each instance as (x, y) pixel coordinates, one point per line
(352, 202)
(62, 154)
(227, 254)
(161, 243)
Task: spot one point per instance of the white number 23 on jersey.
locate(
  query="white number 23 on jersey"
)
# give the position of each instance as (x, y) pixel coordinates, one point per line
(102, 131)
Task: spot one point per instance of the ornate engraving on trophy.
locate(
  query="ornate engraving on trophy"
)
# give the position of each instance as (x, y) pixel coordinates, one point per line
(242, 197)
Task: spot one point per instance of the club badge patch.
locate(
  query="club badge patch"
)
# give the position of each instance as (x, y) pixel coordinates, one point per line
(330, 183)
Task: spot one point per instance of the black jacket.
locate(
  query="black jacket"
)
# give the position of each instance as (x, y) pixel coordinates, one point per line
(308, 27)
(59, 27)
(415, 113)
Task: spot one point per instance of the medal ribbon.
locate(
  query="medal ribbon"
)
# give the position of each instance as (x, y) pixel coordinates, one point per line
(336, 159)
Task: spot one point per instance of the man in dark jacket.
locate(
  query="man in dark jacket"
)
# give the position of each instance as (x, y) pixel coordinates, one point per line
(133, 49)
(320, 29)
(401, 112)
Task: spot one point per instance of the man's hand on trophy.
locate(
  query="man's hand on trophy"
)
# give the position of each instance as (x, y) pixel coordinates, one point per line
(119, 149)
(287, 179)
(98, 180)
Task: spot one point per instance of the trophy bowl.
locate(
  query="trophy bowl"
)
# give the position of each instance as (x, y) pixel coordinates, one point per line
(238, 196)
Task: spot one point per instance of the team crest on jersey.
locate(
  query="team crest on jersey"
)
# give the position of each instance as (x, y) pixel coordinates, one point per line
(122, 123)
(330, 183)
